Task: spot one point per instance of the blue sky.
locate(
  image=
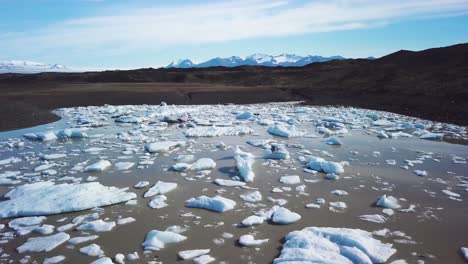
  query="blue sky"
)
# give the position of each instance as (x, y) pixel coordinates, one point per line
(105, 34)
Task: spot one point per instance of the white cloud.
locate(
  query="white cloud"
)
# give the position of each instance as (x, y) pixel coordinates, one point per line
(157, 27)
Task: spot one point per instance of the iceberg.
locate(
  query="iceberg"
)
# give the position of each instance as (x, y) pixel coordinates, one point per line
(319, 164)
(250, 241)
(190, 254)
(156, 240)
(43, 244)
(277, 152)
(164, 146)
(98, 166)
(160, 188)
(290, 179)
(229, 183)
(217, 203)
(389, 202)
(244, 162)
(285, 131)
(283, 216)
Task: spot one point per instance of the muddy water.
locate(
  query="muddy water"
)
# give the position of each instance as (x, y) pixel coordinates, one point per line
(437, 228)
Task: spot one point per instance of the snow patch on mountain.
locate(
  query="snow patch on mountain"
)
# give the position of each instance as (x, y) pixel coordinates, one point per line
(14, 66)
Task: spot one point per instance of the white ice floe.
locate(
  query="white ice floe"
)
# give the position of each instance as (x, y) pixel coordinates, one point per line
(229, 183)
(290, 179)
(203, 164)
(97, 226)
(190, 254)
(450, 193)
(251, 197)
(43, 244)
(101, 165)
(42, 136)
(158, 202)
(253, 220)
(284, 216)
(103, 260)
(420, 173)
(156, 240)
(333, 245)
(244, 163)
(431, 136)
(389, 202)
(46, 198)
(217, 203)
(160, 188)
(245, 115)
(53, 156)
(277, 152)
(164, 146)
(92, 250)
(203, 259)
(71, 133)
(464, 252)
(11, 160)
(54, 260)
(375, 218)
(320, 164)
(124, 165)
(332, 141)
(250, 241)
(216, 131)
(287, 131)
(126, 220)
(141, 184)
(79, 240)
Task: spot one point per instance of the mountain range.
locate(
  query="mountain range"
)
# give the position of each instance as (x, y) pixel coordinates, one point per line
(30, 67)
(286, 60)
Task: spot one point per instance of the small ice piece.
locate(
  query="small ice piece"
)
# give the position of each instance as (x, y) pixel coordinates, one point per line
(420, 173)
(44, 229)
(251, 197)
(203, 259)
(164, 146)
(126, 220)
(101, 165)
(332, 141)
(160, 188)
(203, 164)
(124, 165)
(43, 244)
(46, 136)
(290, 179)
(338, 205)
(245, 115)
(156, 240)
(259, 142)
(253, 220)
(158, 202)
(71, 133)
(53, 156)
(464, 252)
(375, 218)
(319, 164)
(185, 158)
(217, 203)
(450, 193)
(141, 184)
(97, 226)
(333, 245)
(229, 183)
(285, 131)
(277, 152)
(244, 162)
(10, 160)
(54, 260)
(339, 192)
(431, 136)
(283, 216)
(120, 258)
(46, 198)
(103, 260)
(181, 167)
(250, 241)
(83, 239)
(389, 202)
(92, 250)
(190, 254)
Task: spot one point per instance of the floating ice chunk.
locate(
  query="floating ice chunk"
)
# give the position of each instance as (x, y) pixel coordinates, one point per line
(332, 141)
(190, 254)
(245, 115)
(92, 250)
(126, 220)
(333, 245)
(130, 119)
(141, 184)
(185, 158)
(44, 229)
(285, 131)
(276, 151)
(158, 202)
(382, 134)
(389, 202)
(252, 197)
(244, 162)
(431, 136)
(253, 220)
(103, 260)
(156, 240)
(97, 226)
(203, 164)
(43, 244)
(101, 165)
(124, 165)
(339, 192)
(79, 240)
(93, 150)
(71, 133)
(338, 205)
(464, 252)
(46, 198)
(43, 136)
(382, 122)
(53, 156)
(54, 260)
(160, 188)
(229, 183)
(203, 259)
(283, 216)
(420, 173)
(290, 179)
(217, 203)
(450, 193)
(250, 241)
(319, 164)
(164, 146)
(259, 142)
(181, 167)
(375, 218)
(215, 131)
(10, 160)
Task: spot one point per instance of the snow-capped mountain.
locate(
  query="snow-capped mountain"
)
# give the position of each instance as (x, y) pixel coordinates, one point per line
(13, 66)
(255, 59)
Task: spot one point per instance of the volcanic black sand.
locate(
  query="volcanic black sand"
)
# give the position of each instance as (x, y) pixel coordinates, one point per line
(431, 84)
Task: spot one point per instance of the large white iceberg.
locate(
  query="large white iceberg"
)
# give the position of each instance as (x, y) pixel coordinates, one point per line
(333, 245)
(46, 198)
(244, 162)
